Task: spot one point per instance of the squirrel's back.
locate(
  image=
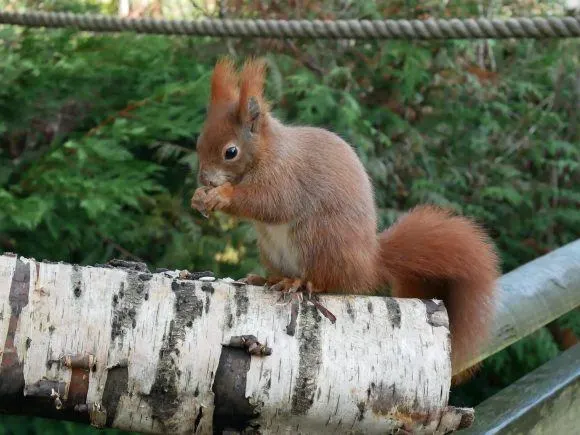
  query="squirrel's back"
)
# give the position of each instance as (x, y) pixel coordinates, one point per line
(328, 167)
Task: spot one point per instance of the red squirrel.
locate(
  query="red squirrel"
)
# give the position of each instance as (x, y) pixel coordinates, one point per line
(312, 204)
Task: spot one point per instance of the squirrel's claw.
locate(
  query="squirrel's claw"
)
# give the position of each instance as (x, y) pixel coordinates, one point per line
(287, 285)
(296, 289)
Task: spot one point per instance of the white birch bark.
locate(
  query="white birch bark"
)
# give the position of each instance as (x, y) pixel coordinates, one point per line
(148, 352)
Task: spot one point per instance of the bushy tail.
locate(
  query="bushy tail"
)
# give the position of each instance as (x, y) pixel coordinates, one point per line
(431, 253)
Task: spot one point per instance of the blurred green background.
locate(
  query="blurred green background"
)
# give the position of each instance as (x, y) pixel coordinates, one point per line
(98, 133)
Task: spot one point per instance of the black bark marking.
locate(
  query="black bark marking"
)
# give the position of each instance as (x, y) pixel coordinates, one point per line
(129, 265)
(11, 373)
(186, 301)
(394, 312)
(115, 386)
(76, 278)
(186, 274)
(291, 327)
(370, 307)
(207, 287)
(370, 390)
(125, 307)
(145, 276)
(164, 398)
(198, 419)
(45, 387)
(361, 409)
(242, 301)
(350, 311)
(309, 365)
(18, 296)
(233, 411)
(436, 313)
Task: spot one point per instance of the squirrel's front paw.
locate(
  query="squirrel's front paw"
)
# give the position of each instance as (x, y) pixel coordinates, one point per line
(219, 197)
(198, 199)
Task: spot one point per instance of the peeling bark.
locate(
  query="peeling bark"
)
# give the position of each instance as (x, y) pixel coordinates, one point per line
(174, 352)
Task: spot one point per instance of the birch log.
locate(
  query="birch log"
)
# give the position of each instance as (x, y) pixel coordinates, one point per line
(119, 346)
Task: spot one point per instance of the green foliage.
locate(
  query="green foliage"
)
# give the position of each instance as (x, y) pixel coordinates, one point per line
(99, 161)
(98, 133)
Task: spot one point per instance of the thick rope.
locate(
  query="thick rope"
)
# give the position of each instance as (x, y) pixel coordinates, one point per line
(549, 27)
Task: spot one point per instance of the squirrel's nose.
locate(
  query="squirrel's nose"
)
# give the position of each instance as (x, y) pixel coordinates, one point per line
(208, 178)
(202, 178)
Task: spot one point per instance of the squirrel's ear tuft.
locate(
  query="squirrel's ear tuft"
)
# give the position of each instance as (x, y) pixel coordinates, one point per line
(224, 82)
(252, 78)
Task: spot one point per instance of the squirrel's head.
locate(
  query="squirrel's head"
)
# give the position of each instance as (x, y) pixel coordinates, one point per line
(230, 139)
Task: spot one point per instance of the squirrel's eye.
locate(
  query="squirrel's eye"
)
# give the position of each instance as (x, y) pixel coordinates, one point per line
(231, 153)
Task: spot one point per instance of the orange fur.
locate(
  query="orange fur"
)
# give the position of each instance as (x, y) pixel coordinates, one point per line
(313, 207)
(224, 82)
(252, 77)
(430, 253)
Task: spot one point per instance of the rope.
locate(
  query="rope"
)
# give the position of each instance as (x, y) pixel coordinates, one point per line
(549, 27)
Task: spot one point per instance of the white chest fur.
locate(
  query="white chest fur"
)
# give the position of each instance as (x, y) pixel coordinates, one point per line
(277, 245)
